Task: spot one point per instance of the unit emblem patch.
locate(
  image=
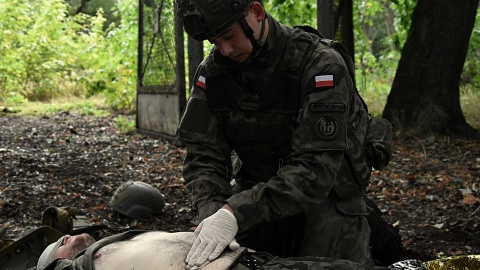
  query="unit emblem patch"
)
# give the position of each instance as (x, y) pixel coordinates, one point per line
(326, 127)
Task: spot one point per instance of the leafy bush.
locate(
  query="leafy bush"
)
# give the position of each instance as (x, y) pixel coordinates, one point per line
(471, 68)
(45, 54)
(34, 48)
(125, 125)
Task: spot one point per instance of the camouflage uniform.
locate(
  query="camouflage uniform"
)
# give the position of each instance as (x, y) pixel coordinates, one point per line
(294, 119)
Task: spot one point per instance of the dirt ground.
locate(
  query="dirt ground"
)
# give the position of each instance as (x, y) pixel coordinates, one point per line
(430, 191)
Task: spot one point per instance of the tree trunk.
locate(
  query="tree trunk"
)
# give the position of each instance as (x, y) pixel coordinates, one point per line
(425, 95)
(346, 26)
(325, 18)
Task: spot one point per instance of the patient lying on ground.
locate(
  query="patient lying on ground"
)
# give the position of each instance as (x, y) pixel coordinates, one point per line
(137, 250)
(167, 251)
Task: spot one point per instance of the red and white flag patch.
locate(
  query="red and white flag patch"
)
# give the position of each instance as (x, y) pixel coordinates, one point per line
(201, 82)
(324, 81)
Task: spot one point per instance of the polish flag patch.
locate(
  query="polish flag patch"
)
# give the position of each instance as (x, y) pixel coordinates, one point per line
(201, 82)
(324, 81)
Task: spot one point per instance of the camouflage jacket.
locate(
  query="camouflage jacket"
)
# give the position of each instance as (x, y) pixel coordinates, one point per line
(293, 117)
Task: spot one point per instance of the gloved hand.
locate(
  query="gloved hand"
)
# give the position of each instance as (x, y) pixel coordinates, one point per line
(234, 245)
(213, 235)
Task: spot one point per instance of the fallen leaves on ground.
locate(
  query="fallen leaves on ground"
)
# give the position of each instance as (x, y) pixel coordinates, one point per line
(430, 190)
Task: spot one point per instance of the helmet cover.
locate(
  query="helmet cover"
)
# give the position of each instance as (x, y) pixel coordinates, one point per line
(205, 19)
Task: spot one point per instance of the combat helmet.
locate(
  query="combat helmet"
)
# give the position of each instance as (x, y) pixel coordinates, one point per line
(137, 200)
(205, 19)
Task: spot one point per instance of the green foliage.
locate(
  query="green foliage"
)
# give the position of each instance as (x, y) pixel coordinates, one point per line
(125, 125)
(15, 99)
(402, 10)
(293, 12)
(113, 71)
(158, 59)
(380, 29)
(92, 7)
(87, 108)
(47, 53)
(83, 107)
(34, 48)
(471, 68)
(469, 100)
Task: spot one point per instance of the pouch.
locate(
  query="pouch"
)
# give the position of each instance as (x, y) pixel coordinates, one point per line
(378, 142)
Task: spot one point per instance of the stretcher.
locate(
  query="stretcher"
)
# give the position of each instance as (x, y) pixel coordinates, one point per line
(23, 254)
(24, 251)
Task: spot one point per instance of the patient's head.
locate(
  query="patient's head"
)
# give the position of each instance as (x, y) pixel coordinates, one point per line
(66, 247)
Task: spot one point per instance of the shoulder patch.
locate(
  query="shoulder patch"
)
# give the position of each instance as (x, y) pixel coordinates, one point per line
(324, 81)
(326, 127)
(328, 107)
(201, 82)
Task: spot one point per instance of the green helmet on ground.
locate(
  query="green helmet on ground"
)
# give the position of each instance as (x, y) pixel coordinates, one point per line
(137, 200)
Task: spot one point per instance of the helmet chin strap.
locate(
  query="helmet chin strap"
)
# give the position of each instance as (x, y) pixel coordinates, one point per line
(256, 43)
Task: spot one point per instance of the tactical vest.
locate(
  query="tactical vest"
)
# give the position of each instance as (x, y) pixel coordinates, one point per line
(258, 125)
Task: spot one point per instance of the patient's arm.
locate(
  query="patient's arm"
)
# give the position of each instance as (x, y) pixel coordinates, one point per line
(156, 250)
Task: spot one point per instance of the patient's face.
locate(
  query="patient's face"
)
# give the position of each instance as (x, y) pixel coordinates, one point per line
(73, 244)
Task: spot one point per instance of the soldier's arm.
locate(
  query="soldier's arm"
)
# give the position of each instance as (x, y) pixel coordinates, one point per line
(207, 165)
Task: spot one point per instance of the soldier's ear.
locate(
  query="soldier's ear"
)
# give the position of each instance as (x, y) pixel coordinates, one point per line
(258, 11)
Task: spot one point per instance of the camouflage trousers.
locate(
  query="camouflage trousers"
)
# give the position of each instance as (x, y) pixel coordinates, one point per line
(320, 231)
(315, 263)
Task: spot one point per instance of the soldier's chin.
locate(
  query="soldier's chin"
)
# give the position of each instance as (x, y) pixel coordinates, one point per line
(240, 58)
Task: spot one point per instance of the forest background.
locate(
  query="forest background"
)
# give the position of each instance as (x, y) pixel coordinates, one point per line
(82, 54)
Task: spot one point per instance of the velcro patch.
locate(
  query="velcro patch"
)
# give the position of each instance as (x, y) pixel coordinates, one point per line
(326, 127)
(324, 81)
(328, 107)
(201, 82)
(325, 121)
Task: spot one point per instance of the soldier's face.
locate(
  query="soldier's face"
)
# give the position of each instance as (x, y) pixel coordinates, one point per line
(233, 43)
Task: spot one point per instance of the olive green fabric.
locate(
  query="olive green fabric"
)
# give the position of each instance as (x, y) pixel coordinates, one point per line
(59, 218)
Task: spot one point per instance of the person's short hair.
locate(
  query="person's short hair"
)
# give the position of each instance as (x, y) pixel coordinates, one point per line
(48, 255)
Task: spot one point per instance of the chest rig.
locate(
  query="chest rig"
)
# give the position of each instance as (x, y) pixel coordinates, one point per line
(257, 108)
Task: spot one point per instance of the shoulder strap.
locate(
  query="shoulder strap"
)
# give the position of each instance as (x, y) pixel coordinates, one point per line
(341, 50)
(291, 63)
(59, 264)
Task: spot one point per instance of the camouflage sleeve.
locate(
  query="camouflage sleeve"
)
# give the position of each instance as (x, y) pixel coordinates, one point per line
(207, 165)
(319, 143)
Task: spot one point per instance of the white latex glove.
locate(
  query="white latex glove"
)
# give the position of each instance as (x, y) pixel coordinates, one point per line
(234, 245)
(213, 235)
